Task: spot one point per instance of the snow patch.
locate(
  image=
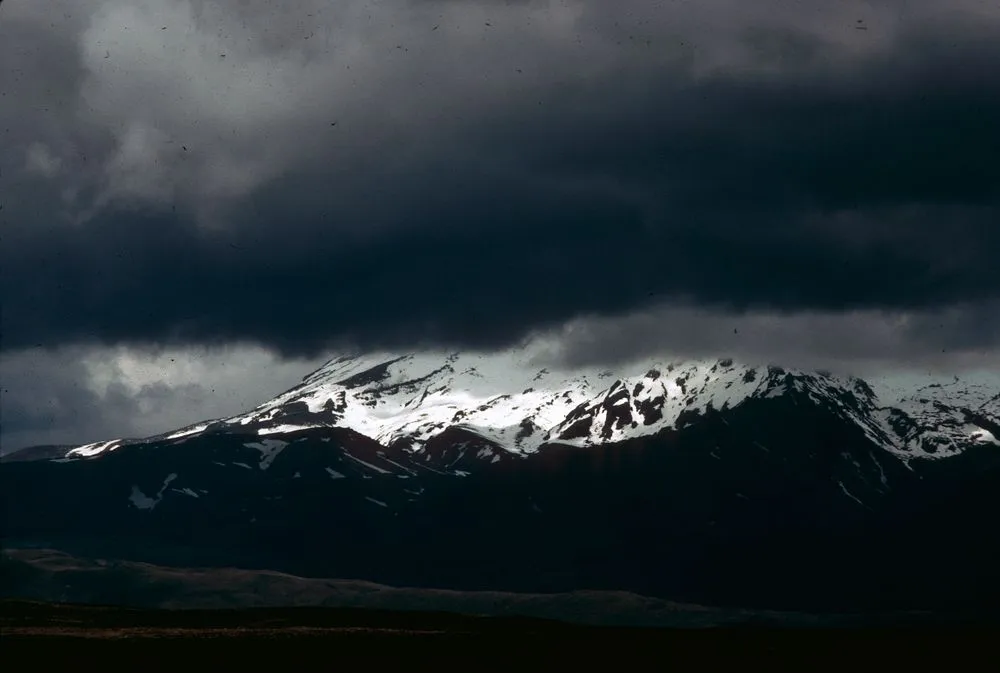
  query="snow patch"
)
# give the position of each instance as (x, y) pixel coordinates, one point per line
(849, 494)
(984, 436)
(368, 465)
(90, 450)
(189, 431)
(269, 449)
(279, 429)
(142, 501)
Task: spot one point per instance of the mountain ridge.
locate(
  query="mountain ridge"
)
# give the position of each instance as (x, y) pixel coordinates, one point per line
(406, 399)
(709, 482)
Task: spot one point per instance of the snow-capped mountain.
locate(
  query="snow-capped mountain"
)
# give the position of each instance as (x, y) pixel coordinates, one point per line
(449, 469)
(943, 418)
(505, 405)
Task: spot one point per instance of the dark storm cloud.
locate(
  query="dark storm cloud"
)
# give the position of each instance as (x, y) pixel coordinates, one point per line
(471, 199)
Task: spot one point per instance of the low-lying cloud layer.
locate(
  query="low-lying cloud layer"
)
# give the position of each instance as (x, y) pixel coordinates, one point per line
(304, 175)
(862, 343)
(76, 395)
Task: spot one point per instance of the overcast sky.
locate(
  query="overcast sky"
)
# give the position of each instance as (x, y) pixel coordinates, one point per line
(202, 200)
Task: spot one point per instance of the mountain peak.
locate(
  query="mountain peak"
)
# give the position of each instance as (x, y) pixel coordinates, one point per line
(514, 399)
(517, 401)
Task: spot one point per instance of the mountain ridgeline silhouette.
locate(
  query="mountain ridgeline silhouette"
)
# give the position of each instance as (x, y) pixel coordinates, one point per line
(706, 482)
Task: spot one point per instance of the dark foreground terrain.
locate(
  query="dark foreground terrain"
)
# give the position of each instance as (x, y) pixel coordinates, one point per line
(51, 636)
